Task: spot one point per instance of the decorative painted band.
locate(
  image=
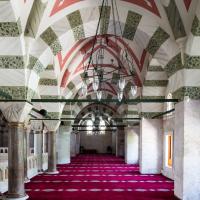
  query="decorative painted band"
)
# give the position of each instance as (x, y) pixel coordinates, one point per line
(191, 92)
(191, 62)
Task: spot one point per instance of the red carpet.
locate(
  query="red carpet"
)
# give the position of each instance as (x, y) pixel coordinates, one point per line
(99, 177)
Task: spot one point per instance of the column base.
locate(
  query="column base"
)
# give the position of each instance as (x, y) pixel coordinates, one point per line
(27, 180)
(55, 172)
(17, 198)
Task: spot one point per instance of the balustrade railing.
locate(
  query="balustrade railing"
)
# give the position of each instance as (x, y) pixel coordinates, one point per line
(32, 166)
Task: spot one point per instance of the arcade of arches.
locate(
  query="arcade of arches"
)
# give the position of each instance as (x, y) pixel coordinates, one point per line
(146, 147)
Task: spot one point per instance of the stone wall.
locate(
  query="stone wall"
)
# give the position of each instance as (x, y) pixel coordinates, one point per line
(98, 142)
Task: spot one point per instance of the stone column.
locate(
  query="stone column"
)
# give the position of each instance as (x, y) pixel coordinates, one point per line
(16, 162)
(37, 127)
(187, 150)
(26, 153)
(52, 153)
(52, 127)
(63, 145)
(39, 150)
(16, 113)
(150, 147)
(132, 145)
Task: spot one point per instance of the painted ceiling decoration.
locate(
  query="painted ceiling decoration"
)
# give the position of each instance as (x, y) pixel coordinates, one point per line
(43, 44)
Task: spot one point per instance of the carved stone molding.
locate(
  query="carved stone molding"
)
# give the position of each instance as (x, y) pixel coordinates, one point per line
(52, 125)
(15, 112)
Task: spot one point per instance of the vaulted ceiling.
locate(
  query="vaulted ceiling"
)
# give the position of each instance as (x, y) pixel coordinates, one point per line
(43, 44)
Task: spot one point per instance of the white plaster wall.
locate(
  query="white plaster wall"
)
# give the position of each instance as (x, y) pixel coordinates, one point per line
(187, 150)
(120, 142)
(78, 140)
(151, 146)
(168, 127)
(63, 145)
(98, 142)
(114, 143)
(72, 144)
(132, 145)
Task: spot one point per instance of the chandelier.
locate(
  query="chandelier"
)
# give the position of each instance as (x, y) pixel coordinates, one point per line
(95, 73)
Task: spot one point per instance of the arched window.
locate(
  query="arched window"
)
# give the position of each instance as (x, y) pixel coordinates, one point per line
(102, 127)
(89, 125)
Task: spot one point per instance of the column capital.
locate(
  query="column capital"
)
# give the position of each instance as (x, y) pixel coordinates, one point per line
(52, 125)
(37, 125)
(15, 111)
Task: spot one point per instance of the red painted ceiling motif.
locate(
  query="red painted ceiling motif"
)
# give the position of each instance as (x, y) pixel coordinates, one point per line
(149, 5)
(60, 5)
(187, 4)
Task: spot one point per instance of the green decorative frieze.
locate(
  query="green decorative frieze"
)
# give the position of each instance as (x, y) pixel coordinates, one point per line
(156, 83)
(70, 86)
(54, 115)
(75, 19)
(49, 82)
(56, 47)
(105, 19)
(191, 62)
(50, 68)
(174, 65)
(67, 123)
(196, 26)
(76, 24)
(155, 68)
(149, 115)
(35, 65)
(132, 22)
(78, 32)
(12, 62)
(50, 97)
(68, 112)
(10, 29)
(191, 92)
(175, 20)
(49, 36)
(130, 112)
(16, 93)
(158, 38)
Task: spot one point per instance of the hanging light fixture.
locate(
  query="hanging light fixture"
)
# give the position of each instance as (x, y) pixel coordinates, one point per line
(120, 96)
(133, 90)
(95, 83)
(84, 89)
(121, 84)
(123, 67)
(99, 95)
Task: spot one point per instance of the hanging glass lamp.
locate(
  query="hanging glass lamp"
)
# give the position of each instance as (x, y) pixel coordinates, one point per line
(133, 90)
(95, 83)
(84, 89)
(121, 84)
(120, 96)
(99, 95)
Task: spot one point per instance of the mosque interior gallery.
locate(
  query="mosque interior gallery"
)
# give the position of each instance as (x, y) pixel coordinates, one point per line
(100, 99)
